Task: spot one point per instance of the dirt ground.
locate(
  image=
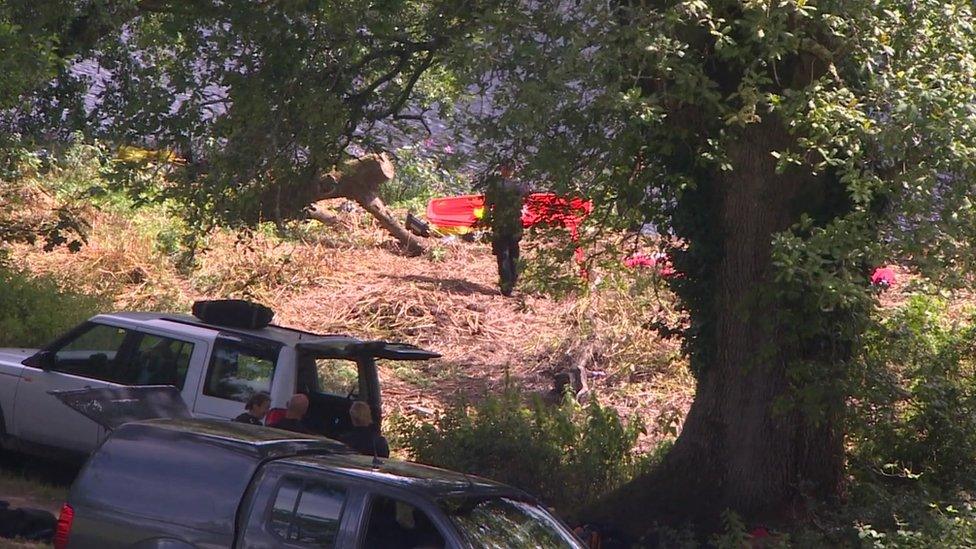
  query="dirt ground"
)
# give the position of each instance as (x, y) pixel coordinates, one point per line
(27, 481)
(354, 280)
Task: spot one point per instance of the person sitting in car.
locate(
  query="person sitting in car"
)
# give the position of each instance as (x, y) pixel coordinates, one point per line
(294, 413)
(364, 437)
(255, 409)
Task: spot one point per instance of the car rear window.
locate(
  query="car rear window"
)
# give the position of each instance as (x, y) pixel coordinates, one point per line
(307, 512)
(337, 377)
(168, 477)
(240, 368)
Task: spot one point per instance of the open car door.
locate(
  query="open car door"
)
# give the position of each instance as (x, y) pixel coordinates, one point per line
(111, 407)
(334, 371)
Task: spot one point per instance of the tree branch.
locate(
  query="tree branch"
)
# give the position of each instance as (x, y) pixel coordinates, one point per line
(407, 90)
(419, 117)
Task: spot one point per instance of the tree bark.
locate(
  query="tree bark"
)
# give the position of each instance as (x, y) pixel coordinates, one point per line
(382, 214)
(316, 213)
(357, 179)
(736, 450)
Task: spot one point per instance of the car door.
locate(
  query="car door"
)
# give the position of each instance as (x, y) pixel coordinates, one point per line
(239, 367)
(87, 357)
(162, 358)
(299, 508)
(99, 355)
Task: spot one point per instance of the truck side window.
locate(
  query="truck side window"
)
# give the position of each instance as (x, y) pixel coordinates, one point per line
(160, 361)
(307, 512)
(94, 353)
(238, 369)
(394, 524)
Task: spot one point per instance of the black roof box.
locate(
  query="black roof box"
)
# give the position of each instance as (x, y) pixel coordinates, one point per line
(233, 313)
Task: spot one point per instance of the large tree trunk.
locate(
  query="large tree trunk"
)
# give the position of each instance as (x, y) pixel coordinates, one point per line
(740, 448)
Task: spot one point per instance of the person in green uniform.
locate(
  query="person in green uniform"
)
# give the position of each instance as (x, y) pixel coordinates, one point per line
(503, 213)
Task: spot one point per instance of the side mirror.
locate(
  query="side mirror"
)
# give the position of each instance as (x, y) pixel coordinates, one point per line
(43, 360)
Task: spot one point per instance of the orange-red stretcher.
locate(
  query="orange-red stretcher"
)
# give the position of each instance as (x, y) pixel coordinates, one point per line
(461, 214)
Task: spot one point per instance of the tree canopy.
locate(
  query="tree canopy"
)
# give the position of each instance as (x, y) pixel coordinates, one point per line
(260, 99)
(785, 148)
(788, 147)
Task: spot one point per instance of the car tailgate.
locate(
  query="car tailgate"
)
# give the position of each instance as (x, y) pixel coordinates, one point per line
(111, 407)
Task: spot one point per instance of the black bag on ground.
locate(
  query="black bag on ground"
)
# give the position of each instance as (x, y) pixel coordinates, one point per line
(416, 226)
(235, 313)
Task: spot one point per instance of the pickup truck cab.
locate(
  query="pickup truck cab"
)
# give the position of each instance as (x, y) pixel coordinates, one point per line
(215, 367)
(203, 483)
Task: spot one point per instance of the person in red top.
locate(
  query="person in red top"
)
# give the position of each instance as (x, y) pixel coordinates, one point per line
(294, 413)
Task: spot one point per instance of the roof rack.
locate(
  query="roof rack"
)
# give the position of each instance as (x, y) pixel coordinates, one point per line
(192, 321)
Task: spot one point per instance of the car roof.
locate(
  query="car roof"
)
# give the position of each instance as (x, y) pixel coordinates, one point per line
(431, 481)
(281, 334)
(199, 470)
(319, 453)
(261, 442)
(325, 346)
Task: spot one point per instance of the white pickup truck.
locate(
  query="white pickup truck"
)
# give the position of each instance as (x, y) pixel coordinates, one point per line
(215, 367)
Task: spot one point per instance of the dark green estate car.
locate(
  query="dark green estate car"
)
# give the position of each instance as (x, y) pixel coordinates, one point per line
(181, 483)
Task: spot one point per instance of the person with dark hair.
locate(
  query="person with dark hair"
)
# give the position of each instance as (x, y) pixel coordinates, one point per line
(503, 213)
(255, 409)
(364, 437)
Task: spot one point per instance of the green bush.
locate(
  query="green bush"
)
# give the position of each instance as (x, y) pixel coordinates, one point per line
(940, 527)
(420, 177)
(33, 311)
(915, 405)
(566, 454)
(911, 434)
(548, 265)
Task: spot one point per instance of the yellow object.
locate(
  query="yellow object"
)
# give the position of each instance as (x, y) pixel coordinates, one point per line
(138, 155)
(447, 231)
(479, 213)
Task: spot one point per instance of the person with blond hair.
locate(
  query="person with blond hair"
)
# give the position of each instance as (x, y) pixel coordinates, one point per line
(364, 437)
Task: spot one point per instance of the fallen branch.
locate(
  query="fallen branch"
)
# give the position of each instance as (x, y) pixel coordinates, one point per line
(359, 179)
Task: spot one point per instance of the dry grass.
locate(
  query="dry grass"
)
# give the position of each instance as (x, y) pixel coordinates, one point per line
(116, 261)
(19, 491)
(352, 280)
(255, 267)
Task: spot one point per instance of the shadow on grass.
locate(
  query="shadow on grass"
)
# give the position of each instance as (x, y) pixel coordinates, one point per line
(451, 285)
(39, 470)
